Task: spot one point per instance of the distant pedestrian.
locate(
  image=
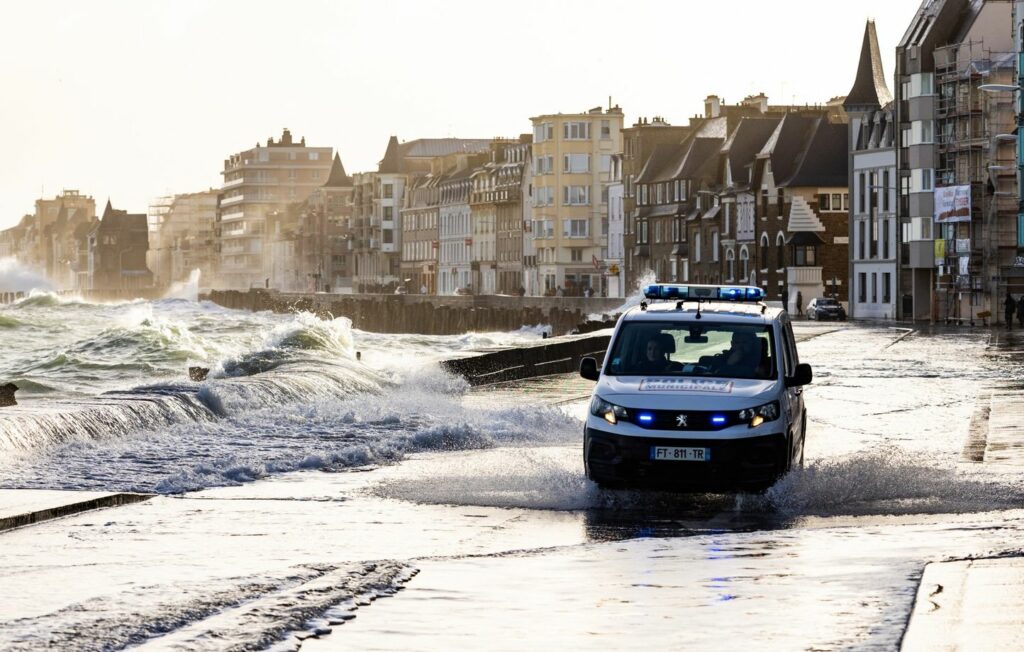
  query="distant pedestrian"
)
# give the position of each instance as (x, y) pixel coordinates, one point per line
(1009, 307)
(799, 303)
(1020, 310)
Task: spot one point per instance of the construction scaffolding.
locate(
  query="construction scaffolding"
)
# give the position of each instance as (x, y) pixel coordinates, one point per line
(973, 130)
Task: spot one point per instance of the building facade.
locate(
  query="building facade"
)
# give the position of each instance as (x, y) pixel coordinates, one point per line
(571, 164)
(181, 238)
(117, 248)
(874, 246)
(259, 186)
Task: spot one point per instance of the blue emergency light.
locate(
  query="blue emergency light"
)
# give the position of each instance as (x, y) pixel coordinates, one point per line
(667, 292)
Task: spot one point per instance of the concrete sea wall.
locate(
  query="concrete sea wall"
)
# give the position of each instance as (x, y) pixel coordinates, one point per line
(429, 315)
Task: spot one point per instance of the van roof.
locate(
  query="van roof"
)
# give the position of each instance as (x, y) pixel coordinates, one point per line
(720, 311)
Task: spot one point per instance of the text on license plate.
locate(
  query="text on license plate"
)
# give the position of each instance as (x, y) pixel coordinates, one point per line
(680, 454)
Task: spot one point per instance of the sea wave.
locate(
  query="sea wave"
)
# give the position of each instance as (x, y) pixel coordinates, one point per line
(7, 321)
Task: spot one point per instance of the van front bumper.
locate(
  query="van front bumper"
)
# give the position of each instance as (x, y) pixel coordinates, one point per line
(752, 462)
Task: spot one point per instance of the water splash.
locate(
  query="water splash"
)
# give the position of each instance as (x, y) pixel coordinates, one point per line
(15, 277)
(187, 290)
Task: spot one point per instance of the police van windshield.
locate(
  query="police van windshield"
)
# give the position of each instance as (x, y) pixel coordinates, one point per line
(705, 349)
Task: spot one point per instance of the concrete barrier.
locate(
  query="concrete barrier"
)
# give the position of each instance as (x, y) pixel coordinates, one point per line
(555, 356)
(429, 315)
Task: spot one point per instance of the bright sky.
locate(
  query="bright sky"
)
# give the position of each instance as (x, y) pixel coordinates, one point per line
(135, 99)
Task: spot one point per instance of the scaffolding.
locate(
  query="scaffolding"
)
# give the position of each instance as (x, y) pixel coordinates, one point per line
(973, 151)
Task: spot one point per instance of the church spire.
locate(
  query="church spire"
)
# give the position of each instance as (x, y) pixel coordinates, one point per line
(869, 90)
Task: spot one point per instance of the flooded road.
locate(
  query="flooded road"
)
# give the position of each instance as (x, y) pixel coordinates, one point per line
(505, 545)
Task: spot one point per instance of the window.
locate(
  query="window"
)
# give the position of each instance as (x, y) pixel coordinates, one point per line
(730, 265)
(714, 247)
(576, 228)
(542, 132)
(644, 347)
(263, 156)
(543, 164)
(744, 264)
(606, 162)
(780, 251)
(388, 213)
(576, 130)
(544, 196)
(824, 203)
(316, 174)
(696, 247)
(860, 239)
(846, 201)
(389, 191)
(576, 195)
(606, 129)
(861, 184)
(837, 202)
(804, 256)
(576, 163)
(576, 255)
(874, 287)
(886, 287)
(388, 236)
(314, 156)
(885, 238)
(885, 190)
(862, 290)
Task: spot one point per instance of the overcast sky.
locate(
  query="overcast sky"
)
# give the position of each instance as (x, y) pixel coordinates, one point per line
(135, 99)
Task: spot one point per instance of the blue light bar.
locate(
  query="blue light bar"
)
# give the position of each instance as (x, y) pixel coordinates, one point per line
(667, 292)
(646, 418)
(718, 420)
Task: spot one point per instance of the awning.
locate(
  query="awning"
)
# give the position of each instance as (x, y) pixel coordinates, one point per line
(805, 238)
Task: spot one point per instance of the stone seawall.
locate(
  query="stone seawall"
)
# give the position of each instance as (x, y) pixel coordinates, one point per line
(429, 315)
(558, 356)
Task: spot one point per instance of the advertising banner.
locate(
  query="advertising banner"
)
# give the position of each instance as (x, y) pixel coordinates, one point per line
(940, 252)
(952, 204)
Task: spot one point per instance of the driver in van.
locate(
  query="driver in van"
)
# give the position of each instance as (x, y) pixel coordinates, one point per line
(655, 355)
(743, 359)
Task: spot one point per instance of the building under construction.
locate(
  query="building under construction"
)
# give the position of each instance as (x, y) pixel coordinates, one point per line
(975, 182)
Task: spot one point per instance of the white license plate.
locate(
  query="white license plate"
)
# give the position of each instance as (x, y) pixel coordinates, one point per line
(680, 454)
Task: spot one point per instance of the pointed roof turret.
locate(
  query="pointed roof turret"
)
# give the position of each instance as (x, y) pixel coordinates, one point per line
(869, 89)
(337, 178)
(108, 210)
(390, 162)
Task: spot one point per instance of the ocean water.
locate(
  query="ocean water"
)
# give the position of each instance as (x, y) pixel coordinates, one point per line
(106, 402)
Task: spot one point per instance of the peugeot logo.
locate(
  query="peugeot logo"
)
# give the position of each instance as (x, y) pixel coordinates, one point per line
(681, 420)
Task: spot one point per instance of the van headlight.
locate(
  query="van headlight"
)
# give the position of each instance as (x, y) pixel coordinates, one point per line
(607, 411)
(760, 414)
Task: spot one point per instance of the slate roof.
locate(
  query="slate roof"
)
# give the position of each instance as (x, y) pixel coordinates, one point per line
(743, 144)
(427, 148)
(824, 160)
(661, 163)
(869, 88)
(701, 159)
(337, 178)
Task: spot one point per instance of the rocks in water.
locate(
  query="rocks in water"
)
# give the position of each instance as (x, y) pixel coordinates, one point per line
(198, 374)
(7, 394)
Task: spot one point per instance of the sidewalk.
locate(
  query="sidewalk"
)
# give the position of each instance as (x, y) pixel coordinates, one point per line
(20, 507)
(975, 604)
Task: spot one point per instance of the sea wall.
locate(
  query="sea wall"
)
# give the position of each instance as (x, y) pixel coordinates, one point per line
(429, 315)
(548, 357)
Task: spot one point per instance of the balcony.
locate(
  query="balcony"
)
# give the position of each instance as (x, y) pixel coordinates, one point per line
(803, 275)
(233, 183)
(231, 201)
(234, 214)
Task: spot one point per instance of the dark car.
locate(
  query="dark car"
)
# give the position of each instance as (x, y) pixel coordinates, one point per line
(825, 308)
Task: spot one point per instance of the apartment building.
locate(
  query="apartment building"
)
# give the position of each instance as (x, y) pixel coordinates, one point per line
(496, 214)
(571, 164)
(455, 229)
(420, 242)
(381, 197)
(324, 222)
(261, 183)
(874, 247)
(181, 237)
(639, 142)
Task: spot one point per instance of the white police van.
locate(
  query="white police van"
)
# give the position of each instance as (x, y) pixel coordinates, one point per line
(700, 388)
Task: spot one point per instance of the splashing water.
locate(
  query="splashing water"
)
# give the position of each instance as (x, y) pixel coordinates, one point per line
(17, 278)
(186, 290)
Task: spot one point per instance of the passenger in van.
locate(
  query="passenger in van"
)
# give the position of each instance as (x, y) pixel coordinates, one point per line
(746, 358)
(655, 354)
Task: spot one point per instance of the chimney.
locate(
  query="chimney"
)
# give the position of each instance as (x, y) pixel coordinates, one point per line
(286, 137)
(712, 106)
(759, 101)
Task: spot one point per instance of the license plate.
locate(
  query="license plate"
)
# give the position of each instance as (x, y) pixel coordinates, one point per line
(680, 454)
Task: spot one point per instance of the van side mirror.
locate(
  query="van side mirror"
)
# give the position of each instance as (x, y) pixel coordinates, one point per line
(803, 376)
(588, 369)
